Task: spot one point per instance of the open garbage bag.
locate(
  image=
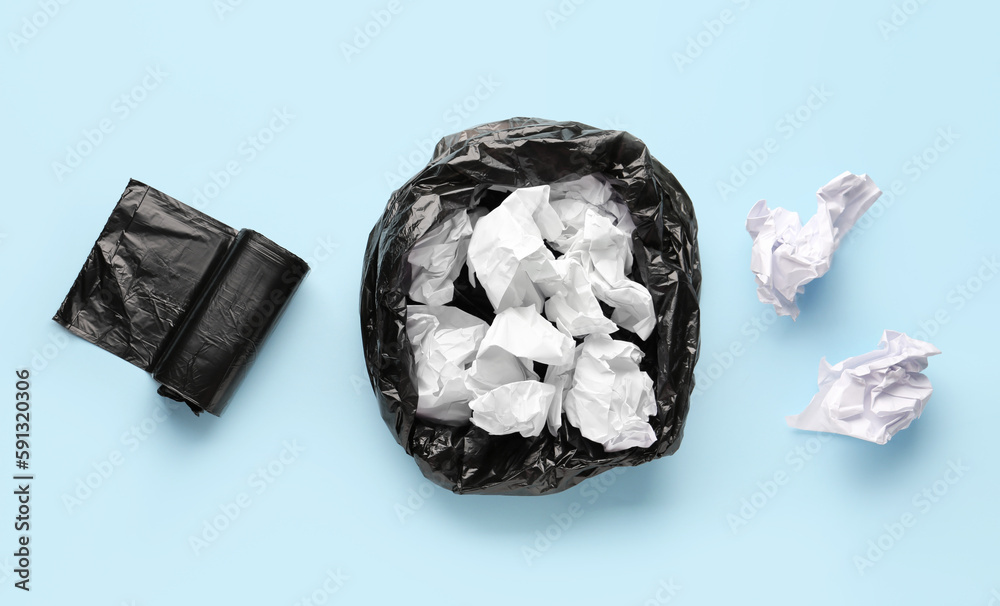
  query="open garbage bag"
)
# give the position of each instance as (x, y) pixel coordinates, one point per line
(478, 169)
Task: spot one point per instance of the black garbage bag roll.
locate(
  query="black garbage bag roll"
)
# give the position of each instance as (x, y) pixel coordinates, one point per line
(480, 166)
(180, 295)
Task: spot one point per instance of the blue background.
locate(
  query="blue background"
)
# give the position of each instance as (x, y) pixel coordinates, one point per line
(704, 89)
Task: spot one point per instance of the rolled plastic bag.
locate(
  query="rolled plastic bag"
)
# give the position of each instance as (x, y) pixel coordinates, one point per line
(181, 295)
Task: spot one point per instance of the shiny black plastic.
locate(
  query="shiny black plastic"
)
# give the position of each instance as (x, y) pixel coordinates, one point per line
(180, 295)
(478, 167)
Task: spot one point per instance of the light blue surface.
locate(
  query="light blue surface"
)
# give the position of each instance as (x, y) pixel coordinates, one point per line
(322, 181)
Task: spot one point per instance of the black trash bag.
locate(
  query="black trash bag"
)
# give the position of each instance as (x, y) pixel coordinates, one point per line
(181, 295)
(479, 167)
